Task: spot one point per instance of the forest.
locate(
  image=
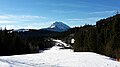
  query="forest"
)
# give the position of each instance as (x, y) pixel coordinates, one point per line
(102, 38)
(15, 43)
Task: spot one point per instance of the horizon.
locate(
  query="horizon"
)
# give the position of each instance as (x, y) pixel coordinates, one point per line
(37, 14)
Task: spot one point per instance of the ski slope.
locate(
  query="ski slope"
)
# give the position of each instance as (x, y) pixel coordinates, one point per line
(56, 57)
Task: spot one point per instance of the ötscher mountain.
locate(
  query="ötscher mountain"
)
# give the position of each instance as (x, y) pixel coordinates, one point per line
(52, 30)
(58, 27)
(55, 27)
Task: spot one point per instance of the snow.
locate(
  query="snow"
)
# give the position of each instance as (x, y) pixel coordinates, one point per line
(58, 26)
(53, 26)
(56, 57)
(62, 43)
(72, 41)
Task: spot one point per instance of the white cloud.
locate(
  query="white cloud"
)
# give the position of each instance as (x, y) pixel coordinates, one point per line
(71, 5)
(28, 26)
(18, 27)
(74, 19)
(81, 21)
(43, 24)
(102, 12)
(9, 26)
(85, 19)
(6, 21)
(21, 17)
(63, 11)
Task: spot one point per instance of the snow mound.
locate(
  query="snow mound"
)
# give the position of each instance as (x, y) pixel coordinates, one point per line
(56, 57)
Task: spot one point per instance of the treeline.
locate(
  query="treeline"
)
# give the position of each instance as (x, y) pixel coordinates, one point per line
(12, 43)
(103, 38)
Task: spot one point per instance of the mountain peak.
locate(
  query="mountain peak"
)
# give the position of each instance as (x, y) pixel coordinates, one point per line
(58, 27)
(58, 22)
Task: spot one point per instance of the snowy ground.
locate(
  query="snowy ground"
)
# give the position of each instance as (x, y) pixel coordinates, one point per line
(56, 57)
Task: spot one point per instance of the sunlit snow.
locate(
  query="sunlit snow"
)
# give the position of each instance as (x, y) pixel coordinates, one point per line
(56, 57)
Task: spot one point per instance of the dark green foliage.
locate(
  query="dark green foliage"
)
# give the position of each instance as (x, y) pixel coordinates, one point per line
(79, 43)
(103, 38)
(11, 43)
(16, 43)
(85, 39)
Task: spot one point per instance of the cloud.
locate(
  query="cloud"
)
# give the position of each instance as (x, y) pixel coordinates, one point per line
(9, 26)
(82, 4)
(74, 19)
(85, 19)
(102, 12)
(21, 17)
(81, 21)
(18, 27)
(63, 11)
(64, 4)
(6, 21)
(37, 25)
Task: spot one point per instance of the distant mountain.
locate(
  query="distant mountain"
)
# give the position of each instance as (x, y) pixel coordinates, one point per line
(21, 30)
(38, 33)
(58, 27)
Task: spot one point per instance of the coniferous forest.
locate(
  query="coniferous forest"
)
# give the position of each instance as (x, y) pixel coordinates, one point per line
(102, 38)
(15, 43)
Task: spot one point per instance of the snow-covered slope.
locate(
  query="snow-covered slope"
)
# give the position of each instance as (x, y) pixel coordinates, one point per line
(60, 43)
(58, 27)
(56, 57)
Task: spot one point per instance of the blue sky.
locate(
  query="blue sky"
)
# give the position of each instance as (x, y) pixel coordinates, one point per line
(42, 13)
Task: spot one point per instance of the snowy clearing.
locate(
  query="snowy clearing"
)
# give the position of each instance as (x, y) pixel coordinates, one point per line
(56, 57)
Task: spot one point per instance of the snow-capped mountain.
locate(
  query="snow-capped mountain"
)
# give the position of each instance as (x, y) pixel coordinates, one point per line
(58, 27)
